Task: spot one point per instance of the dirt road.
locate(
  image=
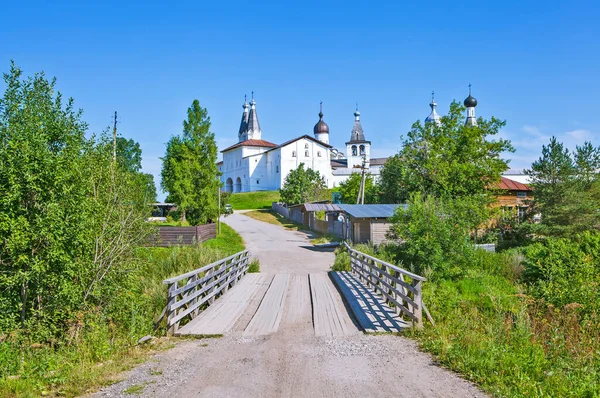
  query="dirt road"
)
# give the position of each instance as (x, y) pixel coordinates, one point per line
(292, 362)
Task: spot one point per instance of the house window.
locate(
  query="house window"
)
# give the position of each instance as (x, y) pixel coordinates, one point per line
(522, 212)
(276, 169)
(362, 150)
(319, 153)
(257, 182)
(293, 154)
(521, 194)
(353, 150)
(306, 153)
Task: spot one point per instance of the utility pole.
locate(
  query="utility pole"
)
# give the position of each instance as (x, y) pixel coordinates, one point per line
(115, 139)
(360, 198)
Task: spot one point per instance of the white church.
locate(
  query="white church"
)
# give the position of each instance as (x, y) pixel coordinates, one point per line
(254, 164)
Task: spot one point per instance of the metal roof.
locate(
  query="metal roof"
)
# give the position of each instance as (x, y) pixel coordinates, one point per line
(370, 211)
(321, 207)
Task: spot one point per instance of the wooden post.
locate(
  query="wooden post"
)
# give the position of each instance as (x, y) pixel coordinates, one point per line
(171, 297)
(418, 309)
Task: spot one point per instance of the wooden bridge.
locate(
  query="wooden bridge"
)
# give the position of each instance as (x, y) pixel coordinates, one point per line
(222, 297)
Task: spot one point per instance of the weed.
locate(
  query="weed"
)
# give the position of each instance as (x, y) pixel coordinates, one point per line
(135, 389)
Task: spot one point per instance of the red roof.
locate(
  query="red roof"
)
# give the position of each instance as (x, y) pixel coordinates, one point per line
(260, 143)
(512, 185)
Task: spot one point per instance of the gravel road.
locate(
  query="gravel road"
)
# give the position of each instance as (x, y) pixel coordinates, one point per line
(292, 362)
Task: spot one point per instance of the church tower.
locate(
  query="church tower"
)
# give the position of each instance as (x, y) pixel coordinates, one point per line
(321, 129)
(358, 148)
(470, 103)
(433, 116)
(243, 133)
(254, 132)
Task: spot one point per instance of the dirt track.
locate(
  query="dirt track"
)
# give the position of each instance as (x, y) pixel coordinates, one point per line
(292, 362)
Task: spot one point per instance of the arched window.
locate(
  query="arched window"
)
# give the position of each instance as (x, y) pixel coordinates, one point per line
(353, 150)
(305, 146)
(319, 153)
(362, 150)
(293, 154)
(276, 169)
(306, 153)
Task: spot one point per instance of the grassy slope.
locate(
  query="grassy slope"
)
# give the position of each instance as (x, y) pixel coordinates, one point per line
(253, 200)
(103, 351)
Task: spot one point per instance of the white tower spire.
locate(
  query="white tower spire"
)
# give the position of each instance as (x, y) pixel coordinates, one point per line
(470, 103)
(433, 116)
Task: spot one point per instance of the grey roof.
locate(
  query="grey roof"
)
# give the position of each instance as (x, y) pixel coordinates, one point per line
(357, 134)
(253, 126)
(370, 211)
(321, 207)
(244, 123)
(378, 161)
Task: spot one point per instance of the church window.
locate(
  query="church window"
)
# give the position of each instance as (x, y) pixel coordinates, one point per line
(353, 150)
(255, 160)
(276, 169)
(362, 149)
(306, 153)
(305, 146)
(293, 154)
(257, 182)
(319, 153)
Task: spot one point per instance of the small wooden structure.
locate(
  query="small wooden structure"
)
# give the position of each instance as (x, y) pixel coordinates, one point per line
(190, 293)
(389, 281)
(174, 236)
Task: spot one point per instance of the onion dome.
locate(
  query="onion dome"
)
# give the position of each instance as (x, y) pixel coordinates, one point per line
(433, 116)
(470, 101)
(321, 127)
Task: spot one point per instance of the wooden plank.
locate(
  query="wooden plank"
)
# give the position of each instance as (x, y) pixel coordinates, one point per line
(268, 316)
(369, 309)
(328, 318)
(396, 290)
(220, 317)
(299, 310)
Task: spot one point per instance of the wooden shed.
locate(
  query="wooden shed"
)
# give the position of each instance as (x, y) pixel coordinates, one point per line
(367, 223)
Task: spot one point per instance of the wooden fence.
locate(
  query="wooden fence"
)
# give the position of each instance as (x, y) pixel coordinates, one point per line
(190, 293)
(389, 281)
(173, 236)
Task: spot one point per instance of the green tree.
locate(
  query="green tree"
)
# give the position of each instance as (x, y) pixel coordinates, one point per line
(349, 189)
(129, 154)
(70, 219)
(303, 185)
(190, 174)
(566, 188)
(450, 161)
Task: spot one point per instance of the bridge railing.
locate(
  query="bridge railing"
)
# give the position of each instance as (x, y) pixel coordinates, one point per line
(188, 292)
(390, 281)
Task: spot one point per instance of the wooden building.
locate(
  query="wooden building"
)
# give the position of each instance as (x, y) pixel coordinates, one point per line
(367, 223)
(514, 198)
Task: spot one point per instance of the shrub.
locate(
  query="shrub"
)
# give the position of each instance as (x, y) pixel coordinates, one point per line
(563, 271)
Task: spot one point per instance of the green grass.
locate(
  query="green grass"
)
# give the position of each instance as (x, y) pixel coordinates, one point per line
(135, 389)
(274, 218)
(253, 200)
(102, 350)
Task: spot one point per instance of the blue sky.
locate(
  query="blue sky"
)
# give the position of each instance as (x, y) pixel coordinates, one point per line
(534, 64)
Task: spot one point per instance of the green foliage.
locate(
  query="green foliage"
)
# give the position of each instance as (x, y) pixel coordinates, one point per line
(567, 188)
(129, 154)
(451, 160)
(564, 271)
(70, 218)
(433, 236)
(189, 172)
(349, 189)
(303, 185)
(254, 267)
(253, 200)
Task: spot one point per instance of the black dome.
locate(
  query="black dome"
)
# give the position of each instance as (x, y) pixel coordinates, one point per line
(470, 102)
(321, 127)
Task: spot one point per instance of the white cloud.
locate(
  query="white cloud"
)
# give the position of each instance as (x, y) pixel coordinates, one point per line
(580, 135)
